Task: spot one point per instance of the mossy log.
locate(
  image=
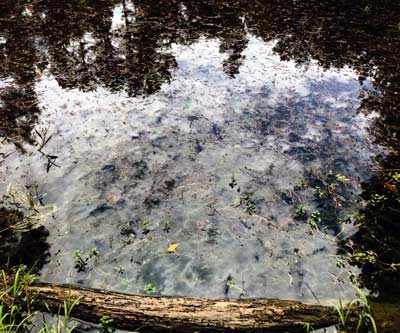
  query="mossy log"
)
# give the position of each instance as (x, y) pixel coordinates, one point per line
(185, 314)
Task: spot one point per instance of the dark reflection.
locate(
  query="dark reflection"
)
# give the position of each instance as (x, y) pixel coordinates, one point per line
(19, 113)
(18, 103)
(78, 40)
(375, 248)
(78, 44)
(28, 247)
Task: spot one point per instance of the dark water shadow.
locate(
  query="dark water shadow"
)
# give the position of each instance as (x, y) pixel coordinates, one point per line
(28, 247)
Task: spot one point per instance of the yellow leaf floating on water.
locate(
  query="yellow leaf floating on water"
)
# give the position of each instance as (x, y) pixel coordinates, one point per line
(172, 247)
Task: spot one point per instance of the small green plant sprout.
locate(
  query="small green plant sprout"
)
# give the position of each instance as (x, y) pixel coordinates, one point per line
(167, 226)
(145, 227)
(342, 179)
(106, 325)
(81, 260)
(377, 200)
(125, 281)
(300, 185)
(93, 253)
(308, 328)
(233, 182)
(365, 257)
(149, 289)
(300, 213)
(320, 192)
(80, 263)
(353, 277)
(43, 140)
(232, 285)
(314, 220)
(249, 205)
(119, 269)
(396, 177)
(341, 263)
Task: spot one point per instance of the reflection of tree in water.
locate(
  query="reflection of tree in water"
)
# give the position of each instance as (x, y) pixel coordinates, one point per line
(18, 110)
(84, 51)
(18, 114)
(80, 44)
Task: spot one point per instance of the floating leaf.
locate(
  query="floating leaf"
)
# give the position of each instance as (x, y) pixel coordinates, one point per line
(172, 247)
(390, 187)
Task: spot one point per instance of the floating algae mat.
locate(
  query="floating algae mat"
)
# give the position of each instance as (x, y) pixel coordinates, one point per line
(195, 148)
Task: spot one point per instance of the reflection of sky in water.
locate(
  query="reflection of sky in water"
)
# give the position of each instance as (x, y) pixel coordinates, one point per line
(141, 173)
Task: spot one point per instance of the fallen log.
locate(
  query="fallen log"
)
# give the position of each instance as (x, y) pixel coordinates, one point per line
(185, 314)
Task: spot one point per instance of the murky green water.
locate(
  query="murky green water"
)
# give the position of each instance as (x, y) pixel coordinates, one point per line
(207, 125)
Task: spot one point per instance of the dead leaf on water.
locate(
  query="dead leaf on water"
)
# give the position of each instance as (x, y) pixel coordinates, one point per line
(172, 247)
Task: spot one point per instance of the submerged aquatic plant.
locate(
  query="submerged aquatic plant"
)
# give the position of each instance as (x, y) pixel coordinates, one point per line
(81, 259)
(150, 289)
(233, 183)
(249, 205)
(119, 269)
(333, 199)
(41, 142)
(314, 220)
(301, 212)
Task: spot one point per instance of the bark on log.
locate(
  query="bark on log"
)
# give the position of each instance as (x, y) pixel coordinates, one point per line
(185, 314)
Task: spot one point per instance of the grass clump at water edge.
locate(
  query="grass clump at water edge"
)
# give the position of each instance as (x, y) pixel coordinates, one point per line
(18, 305)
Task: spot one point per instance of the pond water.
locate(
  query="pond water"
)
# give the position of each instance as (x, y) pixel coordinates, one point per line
(202, 149)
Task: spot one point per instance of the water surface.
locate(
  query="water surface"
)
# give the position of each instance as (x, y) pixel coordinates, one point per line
(206, 125)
